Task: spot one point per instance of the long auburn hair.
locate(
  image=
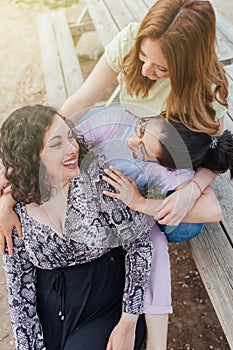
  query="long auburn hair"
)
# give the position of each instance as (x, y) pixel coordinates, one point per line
(186, 30)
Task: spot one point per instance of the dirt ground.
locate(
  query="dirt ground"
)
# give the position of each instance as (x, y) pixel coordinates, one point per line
(193, 325)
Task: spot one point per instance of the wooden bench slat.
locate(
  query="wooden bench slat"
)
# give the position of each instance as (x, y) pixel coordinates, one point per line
(55, 89)
(119, 12)
(149, 3)
(229, 71)
(225, 27)
(224, 51)
(213, 256)
(103, 21)
(61, 68)
(137, 8)
(223, 189)
(69, 61)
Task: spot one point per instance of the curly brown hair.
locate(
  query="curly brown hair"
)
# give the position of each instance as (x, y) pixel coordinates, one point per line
(21, 142)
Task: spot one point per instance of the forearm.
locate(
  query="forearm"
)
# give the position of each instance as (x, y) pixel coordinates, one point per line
(204, 177)
(8, 220)
(205, 209)
(92, 89)
(137, 263)
(21, 279)
(73, 108)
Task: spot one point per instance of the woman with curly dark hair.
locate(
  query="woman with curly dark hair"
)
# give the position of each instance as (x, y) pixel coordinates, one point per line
(70, 283)
(155, 307)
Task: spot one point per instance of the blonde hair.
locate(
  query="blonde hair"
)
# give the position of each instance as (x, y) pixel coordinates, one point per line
(186, 30)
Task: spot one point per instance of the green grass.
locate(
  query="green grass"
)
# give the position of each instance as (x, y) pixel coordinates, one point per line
(84, 57)
(52, 4)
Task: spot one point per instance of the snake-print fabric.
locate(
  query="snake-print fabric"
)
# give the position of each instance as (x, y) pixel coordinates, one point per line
(94, 224)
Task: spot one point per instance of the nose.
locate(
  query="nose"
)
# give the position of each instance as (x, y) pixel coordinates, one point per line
(133, 141)
(72, 146)
(146, 68)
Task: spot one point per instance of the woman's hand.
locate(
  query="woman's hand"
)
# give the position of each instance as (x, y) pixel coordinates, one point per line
(127, 188)
(123, 335)
(8, 220)
(5, 185)
(175, 207)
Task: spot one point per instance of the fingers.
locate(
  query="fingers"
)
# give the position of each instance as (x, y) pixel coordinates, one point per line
(111, 194)
(2, 245)
(9, 245)
(115, 174)
(19, 229)
(111, 182)
(109, 346)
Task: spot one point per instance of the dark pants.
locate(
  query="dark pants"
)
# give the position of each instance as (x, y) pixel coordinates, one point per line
(79, 306)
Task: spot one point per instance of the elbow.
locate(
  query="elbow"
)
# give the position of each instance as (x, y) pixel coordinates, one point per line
(217, 213)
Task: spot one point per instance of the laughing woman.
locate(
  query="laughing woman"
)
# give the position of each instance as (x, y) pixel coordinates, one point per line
(70, 283)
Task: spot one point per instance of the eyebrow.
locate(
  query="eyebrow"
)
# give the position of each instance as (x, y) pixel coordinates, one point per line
(158, 65)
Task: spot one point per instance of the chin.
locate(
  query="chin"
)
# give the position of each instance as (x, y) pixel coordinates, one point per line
(71, 174)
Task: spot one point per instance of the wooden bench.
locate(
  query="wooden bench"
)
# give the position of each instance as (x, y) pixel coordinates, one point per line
(61, 68)
(212, 250)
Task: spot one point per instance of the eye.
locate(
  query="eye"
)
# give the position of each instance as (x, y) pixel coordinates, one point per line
(162, 69)
(57, 144)
(142, 56)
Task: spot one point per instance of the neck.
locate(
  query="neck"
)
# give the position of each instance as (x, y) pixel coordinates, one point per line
(59, 187)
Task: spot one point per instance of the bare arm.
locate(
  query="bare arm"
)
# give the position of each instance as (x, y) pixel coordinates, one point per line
(92, 89)
(206, 208)
(123, 334)
(8, 220)
(175, 207)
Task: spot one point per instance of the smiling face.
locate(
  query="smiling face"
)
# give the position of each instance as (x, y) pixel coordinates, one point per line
(154, 63)
(60, 153)
(144, 141)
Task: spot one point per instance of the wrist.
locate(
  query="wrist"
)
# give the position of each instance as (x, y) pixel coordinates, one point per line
(7, 203)
(196, 183)
(196, 189)
(129, 320)
(139, 204)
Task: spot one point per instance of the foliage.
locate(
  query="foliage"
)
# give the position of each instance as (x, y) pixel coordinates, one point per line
(52, 4)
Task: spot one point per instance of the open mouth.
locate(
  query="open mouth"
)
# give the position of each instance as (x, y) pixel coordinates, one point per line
(71, 164)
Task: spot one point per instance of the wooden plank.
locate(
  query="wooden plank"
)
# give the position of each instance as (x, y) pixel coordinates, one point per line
(223, 189)
(229, 71)
(149, 3)
(225, 27)
(213, 256)
(120, 13)
(137, 8)
(105, 25)
(55, 90)
(224, 51)
(70, 66)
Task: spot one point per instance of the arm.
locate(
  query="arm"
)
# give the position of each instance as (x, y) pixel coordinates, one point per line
(137, 264)
(206, 208)
(8, 220)
(123, 334)
(21, 278)
(176, 206)
(92, 89)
